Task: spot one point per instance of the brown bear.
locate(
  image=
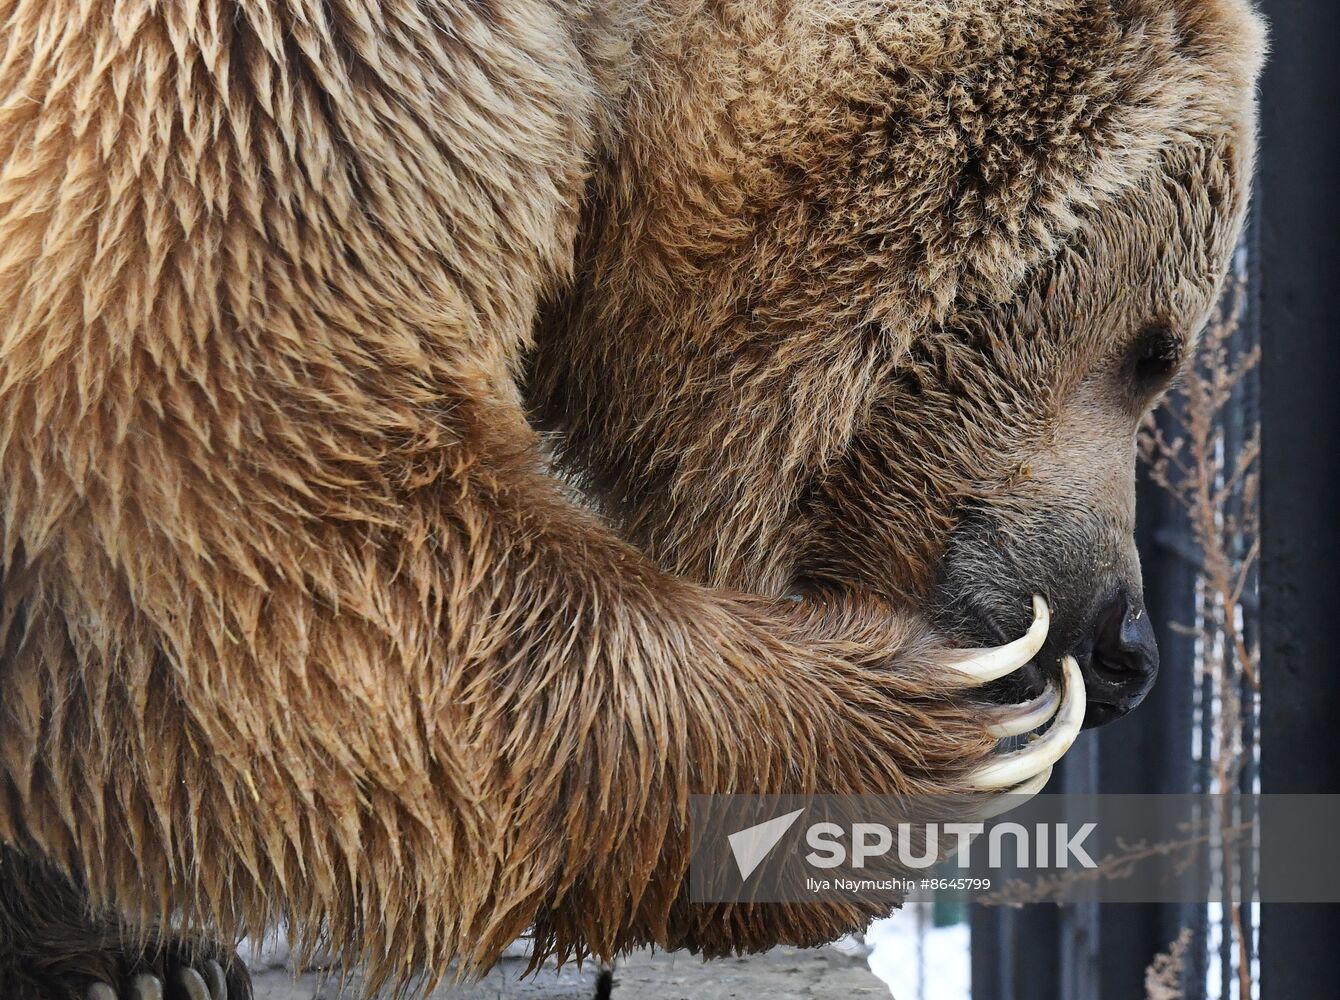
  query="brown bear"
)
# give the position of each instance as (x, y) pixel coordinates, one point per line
(439, 436)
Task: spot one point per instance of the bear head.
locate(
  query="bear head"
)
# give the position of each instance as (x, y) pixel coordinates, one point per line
(874, 295)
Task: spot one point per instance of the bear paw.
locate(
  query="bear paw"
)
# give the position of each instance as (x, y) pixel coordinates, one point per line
(194, 980)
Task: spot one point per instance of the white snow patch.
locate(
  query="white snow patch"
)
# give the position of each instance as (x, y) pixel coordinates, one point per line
(918, 960)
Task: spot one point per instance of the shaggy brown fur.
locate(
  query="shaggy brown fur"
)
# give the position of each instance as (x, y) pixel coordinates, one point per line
(822, 293)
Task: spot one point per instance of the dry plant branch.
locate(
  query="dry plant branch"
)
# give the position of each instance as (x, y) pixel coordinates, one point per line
(1183, 853)
(1215, 479)
(1163, 977)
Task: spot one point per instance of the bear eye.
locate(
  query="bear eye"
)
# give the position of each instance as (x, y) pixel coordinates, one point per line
(1153, 360)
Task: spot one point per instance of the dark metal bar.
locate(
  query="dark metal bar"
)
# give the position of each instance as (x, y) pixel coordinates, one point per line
(1298, 264)
(1016, 953)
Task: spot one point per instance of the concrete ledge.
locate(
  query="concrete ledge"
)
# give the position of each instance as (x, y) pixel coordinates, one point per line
(781, 974)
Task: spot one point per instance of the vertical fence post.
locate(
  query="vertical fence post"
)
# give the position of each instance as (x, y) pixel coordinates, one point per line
(1299, 261)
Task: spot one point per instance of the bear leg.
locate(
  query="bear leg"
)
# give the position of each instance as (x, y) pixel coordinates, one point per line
(53, 948)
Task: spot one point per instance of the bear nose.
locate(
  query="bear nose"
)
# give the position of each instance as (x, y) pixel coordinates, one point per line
(1120, 669)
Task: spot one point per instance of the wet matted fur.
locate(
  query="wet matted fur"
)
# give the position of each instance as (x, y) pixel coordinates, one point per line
(819, 294)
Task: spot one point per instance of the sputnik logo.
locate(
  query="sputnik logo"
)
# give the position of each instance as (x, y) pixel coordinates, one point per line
(752, 844)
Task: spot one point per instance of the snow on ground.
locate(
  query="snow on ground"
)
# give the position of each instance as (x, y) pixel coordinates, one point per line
(918, 960)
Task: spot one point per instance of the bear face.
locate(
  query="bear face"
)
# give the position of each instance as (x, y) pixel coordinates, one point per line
(921, 272)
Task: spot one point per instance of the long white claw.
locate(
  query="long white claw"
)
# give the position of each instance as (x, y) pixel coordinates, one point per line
(1013, 798)
(980, 666)
(100, 991)
(146, 987)
(218, 982)
(192, 984)
(1015, 720)
(1023, 766)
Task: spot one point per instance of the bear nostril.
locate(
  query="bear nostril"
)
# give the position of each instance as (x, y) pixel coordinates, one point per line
(1120, 669)
(1138, 643)
(1124, 645)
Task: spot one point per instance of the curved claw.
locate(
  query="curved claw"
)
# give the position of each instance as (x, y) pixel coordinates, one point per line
(1015, 720)
(100, 991)
(192, 984)
(146, 987)
(980, 666)
(1013, 798)
(1024, 766)
(217, 981)
(1022, 793)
